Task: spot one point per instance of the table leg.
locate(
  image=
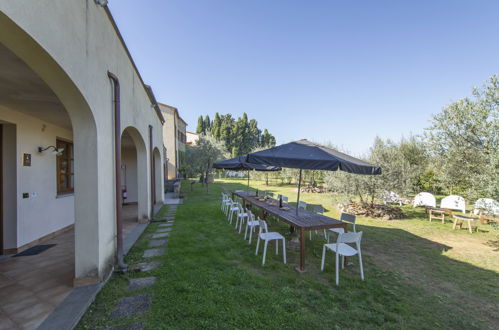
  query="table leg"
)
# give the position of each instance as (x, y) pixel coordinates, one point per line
(455, 224)
(301, 268)
(469, 227)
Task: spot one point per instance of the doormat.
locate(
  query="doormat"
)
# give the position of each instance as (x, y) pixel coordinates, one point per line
(34, 250)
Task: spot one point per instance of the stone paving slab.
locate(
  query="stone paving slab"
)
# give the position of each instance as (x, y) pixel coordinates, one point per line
(147, 266)
(135, 326)
(156, 243)
(160, 235)
(165, 225)
(128, 306)
(153, 253)
(141, 282)
(163, 230)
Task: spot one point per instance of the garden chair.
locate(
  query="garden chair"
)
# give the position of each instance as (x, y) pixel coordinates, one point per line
(425, 199)
(250, 225)
(345, 217)
(234, 209)
(302, 205)
(267, 236)
(229, 203)
(453, 202)
(319, 210)
(270, 194)
(226, 201)
(242, 214)
(342, 249)
(284, 199)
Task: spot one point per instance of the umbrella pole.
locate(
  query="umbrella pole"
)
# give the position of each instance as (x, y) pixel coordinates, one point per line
(247, 188)
(298, 198)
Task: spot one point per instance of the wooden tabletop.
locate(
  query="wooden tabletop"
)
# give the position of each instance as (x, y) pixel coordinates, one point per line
(304, 220)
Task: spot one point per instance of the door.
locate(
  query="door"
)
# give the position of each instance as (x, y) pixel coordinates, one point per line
(1, 189)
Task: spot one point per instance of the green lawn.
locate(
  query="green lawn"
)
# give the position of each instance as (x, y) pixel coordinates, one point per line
(418, 275)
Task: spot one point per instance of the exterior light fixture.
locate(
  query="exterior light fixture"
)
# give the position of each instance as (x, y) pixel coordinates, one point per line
(101, 2)
(56, 151)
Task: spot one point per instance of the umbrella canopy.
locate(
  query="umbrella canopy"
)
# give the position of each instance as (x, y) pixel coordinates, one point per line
(239, 163)
(307, 155)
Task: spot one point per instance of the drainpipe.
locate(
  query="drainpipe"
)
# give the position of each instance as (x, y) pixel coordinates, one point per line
(153, 185)
(117, 164)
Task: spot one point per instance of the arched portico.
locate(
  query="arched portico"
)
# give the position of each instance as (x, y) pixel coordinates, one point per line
(158, 177)
(134, 170)
(90, 261)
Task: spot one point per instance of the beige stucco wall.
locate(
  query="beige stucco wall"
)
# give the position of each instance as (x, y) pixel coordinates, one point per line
(43, 212)
(72, 45)
(170, 139)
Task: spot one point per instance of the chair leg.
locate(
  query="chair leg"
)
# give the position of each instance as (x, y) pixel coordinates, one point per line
(246, 231)
(342, 262)
(284, 249)
(264, 252)
(361, 266)
(251, 234)
(276, 247)
(257, 245)
(337, 263)
(323, 256)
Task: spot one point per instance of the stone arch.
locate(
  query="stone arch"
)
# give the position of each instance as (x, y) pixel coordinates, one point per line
(142, 183)
(90, 260)
(158, 176)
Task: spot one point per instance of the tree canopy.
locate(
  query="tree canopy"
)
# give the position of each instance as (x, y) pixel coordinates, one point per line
(240, 136)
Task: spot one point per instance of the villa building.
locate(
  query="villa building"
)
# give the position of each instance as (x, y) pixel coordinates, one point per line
(80, 135)
(192, 138)
(175, 138)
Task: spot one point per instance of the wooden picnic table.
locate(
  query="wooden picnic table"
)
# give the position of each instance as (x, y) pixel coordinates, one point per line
(305, 220)
(486, 218)
(459, 219)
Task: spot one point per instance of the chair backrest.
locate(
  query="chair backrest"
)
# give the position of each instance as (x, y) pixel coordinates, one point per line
(318, 209)
(302, 205)
(346, 217)
(425, 199)
(350, 238)
(263, 226)
(453, 202)
(284, 199)
(270, 194)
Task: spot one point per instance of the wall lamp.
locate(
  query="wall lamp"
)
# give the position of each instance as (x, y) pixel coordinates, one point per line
(101, 2)
(56, 151)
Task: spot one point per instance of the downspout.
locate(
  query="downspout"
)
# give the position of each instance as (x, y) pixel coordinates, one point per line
(117, 169)
(153, 185)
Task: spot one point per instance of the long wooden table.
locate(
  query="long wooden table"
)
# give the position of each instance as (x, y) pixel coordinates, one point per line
(304, 220)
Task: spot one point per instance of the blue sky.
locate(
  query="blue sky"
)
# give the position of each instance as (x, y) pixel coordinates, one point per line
(329, 71)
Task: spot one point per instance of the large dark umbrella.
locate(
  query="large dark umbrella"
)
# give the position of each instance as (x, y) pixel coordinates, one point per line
(239, 164)
(306, 155)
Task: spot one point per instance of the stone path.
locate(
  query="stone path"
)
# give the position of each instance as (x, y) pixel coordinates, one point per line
(140, 304)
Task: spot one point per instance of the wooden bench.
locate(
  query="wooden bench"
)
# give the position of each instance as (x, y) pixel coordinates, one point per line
(459, 219)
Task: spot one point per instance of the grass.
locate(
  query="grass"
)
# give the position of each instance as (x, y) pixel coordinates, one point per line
(418, 275)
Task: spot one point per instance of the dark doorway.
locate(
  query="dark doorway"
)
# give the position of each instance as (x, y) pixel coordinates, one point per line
(1, 189)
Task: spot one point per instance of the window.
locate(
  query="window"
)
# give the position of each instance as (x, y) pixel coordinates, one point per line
(65, 168)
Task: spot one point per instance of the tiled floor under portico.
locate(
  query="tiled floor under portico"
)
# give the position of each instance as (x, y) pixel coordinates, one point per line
(31, 287)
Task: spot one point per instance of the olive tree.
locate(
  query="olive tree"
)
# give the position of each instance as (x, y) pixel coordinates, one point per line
(464, 139)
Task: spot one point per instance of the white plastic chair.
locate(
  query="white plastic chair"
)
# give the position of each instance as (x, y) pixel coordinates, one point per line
(234, 209)
(251, 224)
(267, 236)
(242, 215)
(319, 210)
(226, 201)
(453, 202)
(284, 199)
(302, 205)
(342, 249)
(345, 217)
(425, 199)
